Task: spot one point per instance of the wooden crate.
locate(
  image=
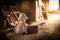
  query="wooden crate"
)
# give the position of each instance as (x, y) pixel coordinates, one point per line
(32, 29)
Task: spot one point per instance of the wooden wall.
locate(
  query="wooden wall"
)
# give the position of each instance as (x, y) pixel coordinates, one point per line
(27, 7)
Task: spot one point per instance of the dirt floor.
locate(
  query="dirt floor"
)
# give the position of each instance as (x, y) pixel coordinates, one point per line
(49, 30)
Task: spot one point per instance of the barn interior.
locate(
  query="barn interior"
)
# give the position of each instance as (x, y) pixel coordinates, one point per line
(43, 19)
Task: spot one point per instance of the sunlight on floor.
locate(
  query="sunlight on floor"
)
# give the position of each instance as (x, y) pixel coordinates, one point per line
(53, 22)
